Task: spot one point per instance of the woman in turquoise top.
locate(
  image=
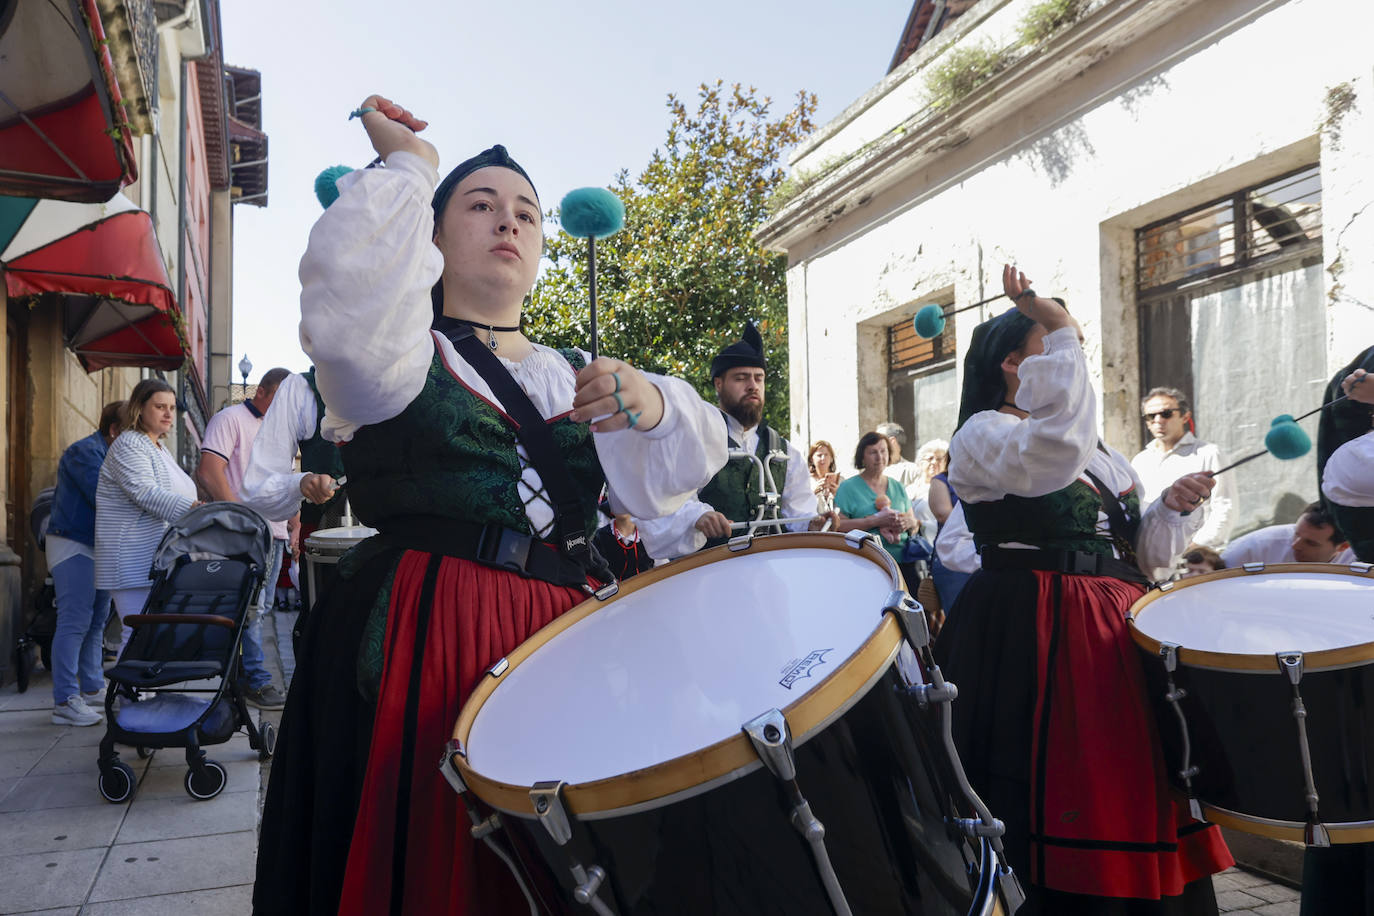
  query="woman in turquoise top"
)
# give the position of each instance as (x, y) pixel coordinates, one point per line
(877, 503)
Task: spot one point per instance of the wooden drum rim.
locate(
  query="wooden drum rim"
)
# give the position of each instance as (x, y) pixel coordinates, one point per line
(1342, 657)
(714, 761)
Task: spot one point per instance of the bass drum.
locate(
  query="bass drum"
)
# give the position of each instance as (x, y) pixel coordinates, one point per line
(735, 732)
(1263, 684)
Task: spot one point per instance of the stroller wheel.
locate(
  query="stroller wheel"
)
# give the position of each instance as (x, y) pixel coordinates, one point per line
(144, 753)
(267, 735)
(207, 782)
(117, 783)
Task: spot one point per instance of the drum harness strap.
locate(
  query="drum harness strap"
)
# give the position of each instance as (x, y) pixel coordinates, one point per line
(571, 558)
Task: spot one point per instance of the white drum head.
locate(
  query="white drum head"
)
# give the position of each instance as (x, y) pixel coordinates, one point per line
(1302, 608)
(678, 665)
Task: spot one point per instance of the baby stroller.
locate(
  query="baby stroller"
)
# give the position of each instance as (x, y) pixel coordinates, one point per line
(206, 572)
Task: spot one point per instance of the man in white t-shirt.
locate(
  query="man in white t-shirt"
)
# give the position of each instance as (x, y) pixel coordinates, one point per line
(1174, 452)
(1314, 538)
(224, 454)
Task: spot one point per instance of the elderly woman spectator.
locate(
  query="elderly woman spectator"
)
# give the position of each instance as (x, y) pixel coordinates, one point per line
(825, 479)
(141, 489)
(877, 503)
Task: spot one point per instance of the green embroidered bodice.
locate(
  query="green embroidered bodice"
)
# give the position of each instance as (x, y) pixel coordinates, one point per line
(453, 454)
(734, 491)
(1063, 520)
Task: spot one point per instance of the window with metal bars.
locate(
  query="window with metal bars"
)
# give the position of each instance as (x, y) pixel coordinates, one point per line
(908, 351)
(1281, 216)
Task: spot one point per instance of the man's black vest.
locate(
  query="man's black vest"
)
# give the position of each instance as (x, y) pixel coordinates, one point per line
(734, 491)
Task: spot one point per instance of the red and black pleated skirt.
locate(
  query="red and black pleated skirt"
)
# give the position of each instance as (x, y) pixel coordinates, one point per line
(358, 818)
(1055, 730)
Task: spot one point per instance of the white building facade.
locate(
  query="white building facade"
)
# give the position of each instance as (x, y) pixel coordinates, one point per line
(1194, 177)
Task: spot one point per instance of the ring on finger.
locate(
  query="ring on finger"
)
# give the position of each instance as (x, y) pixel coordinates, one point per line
(631, 417)
(619, 403)
(616, 376)
(359, 112)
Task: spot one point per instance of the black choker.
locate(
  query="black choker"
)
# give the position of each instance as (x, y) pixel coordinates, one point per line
(491, 329)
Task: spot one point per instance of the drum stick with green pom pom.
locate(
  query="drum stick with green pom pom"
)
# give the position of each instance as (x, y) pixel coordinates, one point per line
(592, 213)
(930, 320)
(1285, 440)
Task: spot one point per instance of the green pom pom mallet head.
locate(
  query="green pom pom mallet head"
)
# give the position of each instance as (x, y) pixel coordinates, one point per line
(591, 213)
(326, 184)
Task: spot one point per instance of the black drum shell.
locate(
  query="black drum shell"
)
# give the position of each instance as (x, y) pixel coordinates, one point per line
(1244, 740)
(877, 779)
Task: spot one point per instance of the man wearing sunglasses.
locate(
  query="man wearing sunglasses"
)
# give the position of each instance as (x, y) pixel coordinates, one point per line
(1173, 452)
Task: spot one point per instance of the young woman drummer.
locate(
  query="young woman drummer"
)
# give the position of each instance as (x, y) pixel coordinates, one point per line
(1052, 720)
(410, 310)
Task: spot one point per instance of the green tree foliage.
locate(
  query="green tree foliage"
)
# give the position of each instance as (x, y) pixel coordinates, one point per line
(679, 281)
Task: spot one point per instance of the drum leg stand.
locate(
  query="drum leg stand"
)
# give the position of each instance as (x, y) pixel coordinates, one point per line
(1168, 653)
(772, 740)
(938, 696)
(1291, 665)
(482, 828)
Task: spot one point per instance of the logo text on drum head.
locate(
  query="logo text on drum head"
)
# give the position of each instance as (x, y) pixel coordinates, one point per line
(799, 668)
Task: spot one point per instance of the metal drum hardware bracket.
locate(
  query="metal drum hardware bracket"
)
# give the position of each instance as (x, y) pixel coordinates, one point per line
(940, 694)
(857, 538)
(772, 740)
(482, 828)
(912, 616)
(1291, 665)
(1168, 653)
(547, 798)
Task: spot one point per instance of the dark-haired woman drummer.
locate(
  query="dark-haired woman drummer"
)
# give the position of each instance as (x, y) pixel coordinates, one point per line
(1052, 720)
(358, 818)
(1340, 878)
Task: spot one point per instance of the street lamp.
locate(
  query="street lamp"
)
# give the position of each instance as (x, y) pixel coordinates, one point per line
(245, 367)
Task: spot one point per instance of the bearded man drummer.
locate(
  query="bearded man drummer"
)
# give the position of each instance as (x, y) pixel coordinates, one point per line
(739, 373)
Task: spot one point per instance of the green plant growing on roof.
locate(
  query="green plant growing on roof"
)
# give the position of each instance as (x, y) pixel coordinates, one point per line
(961, 71)
(1047, 17)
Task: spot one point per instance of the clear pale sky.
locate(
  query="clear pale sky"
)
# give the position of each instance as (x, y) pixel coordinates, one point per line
(576, 91)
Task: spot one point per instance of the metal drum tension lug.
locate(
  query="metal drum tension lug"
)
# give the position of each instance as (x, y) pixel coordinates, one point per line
(547, 798)
(1168, 654)
(1315, 832)
(772, 740)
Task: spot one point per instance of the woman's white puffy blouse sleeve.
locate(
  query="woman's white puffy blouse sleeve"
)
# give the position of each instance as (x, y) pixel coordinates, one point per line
(996, 454)
(365, 293)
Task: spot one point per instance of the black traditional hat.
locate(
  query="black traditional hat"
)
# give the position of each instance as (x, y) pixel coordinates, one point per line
(747, 351)
(496, 157)
(993, 340)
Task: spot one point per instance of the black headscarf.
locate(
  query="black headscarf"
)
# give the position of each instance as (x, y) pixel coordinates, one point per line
(1343, 421)
(993, 340)
(747, 351)
(495, 156)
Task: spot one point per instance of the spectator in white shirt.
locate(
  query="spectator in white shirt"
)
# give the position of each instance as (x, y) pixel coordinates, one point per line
(1314, 538)
(1174, 452)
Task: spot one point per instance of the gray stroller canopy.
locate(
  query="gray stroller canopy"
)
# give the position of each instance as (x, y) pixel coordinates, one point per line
(217, 529)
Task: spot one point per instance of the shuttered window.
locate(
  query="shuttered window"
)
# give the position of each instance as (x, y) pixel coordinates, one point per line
(1280, 217)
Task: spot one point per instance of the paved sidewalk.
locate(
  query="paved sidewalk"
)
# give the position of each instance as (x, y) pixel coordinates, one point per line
(65, 850)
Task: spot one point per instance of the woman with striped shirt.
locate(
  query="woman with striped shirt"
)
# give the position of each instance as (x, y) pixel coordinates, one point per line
(141, 490)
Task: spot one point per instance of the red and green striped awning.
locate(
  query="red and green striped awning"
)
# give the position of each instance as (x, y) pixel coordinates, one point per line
(102, 264)
(63, 131)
